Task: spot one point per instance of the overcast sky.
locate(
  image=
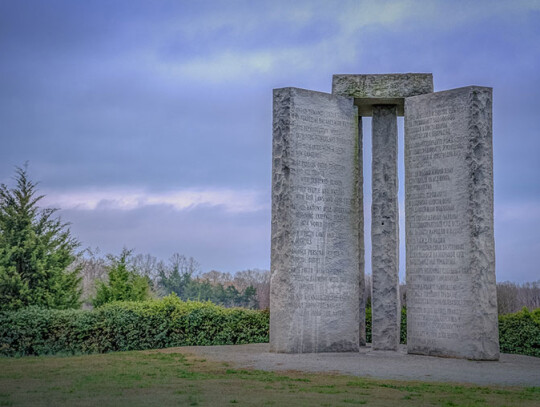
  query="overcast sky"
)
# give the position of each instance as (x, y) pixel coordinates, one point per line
(149, 122)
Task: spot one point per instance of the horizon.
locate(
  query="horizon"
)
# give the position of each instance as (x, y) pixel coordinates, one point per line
(149, 124)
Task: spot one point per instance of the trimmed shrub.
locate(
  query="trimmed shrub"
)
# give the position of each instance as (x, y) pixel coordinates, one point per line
(122, 326)
(520, 332)
(368, 325)
(403, 327)
(171, 322)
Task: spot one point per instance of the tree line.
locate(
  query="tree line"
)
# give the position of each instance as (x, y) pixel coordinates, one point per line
(41, 264)
(132, 277)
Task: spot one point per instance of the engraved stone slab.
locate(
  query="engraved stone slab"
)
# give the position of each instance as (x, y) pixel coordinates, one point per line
(361, 248)
(314, 286)
(385, 309)
(380, 89)
(451, 291)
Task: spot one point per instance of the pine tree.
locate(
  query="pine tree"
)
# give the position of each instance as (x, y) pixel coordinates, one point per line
(124, 284)
(36, 250)
(249, 298)
(177, 277)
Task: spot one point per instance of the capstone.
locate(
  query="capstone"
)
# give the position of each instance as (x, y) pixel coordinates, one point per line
(381, 89)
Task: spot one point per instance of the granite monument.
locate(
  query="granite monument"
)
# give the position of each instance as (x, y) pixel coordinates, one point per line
(317, 299)
(314, 288)
(451, 288)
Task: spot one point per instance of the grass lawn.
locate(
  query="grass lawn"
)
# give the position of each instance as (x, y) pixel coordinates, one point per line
(163, 378)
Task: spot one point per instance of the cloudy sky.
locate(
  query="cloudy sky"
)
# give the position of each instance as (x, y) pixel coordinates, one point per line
(149, 122)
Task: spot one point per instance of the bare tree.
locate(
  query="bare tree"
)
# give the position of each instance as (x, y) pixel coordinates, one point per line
(93, 268)
(214, 277)
(512, 297)
(145, 265)
(184, 264)
(259, 279)
(531, 294)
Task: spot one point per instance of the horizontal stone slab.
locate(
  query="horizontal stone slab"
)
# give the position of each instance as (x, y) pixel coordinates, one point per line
(381, 89)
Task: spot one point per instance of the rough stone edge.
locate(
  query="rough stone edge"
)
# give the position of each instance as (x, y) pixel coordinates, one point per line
(479, 161)
(281, 128)
(281, 125)
(388, 337)
(482, 127)
(361, 244)
(353, 85)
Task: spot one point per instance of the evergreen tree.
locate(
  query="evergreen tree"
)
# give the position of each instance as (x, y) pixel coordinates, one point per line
(36, 250)
(231, 296)
(124, 284)
(220, 295)
(176, 277)
(249, 298)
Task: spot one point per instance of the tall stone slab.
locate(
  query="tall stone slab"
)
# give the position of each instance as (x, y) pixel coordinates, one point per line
(451, 291)
(361, 248)
(385, 311)
(314, 286)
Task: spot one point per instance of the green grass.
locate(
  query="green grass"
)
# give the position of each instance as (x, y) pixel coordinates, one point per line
(170, 377)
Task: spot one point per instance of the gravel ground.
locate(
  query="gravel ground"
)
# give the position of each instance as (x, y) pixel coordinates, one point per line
(511, 370)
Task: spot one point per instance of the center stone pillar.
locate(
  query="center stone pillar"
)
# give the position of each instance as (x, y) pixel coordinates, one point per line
(382, 96)
(385, 230)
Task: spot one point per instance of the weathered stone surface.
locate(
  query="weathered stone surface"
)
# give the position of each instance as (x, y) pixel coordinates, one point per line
(384, 230)
(361, 248)
(314, 287)
(451, 291)
(378, 89)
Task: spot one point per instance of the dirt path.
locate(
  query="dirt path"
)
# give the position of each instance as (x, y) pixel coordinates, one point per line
(511, 370)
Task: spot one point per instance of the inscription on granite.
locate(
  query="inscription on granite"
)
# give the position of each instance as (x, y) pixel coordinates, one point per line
(382, 96)
(361, 249)
(315, 258)
(451, 291)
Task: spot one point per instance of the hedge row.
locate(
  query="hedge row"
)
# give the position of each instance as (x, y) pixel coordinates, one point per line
(171, 322)
(128, 326)
(520, 332)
